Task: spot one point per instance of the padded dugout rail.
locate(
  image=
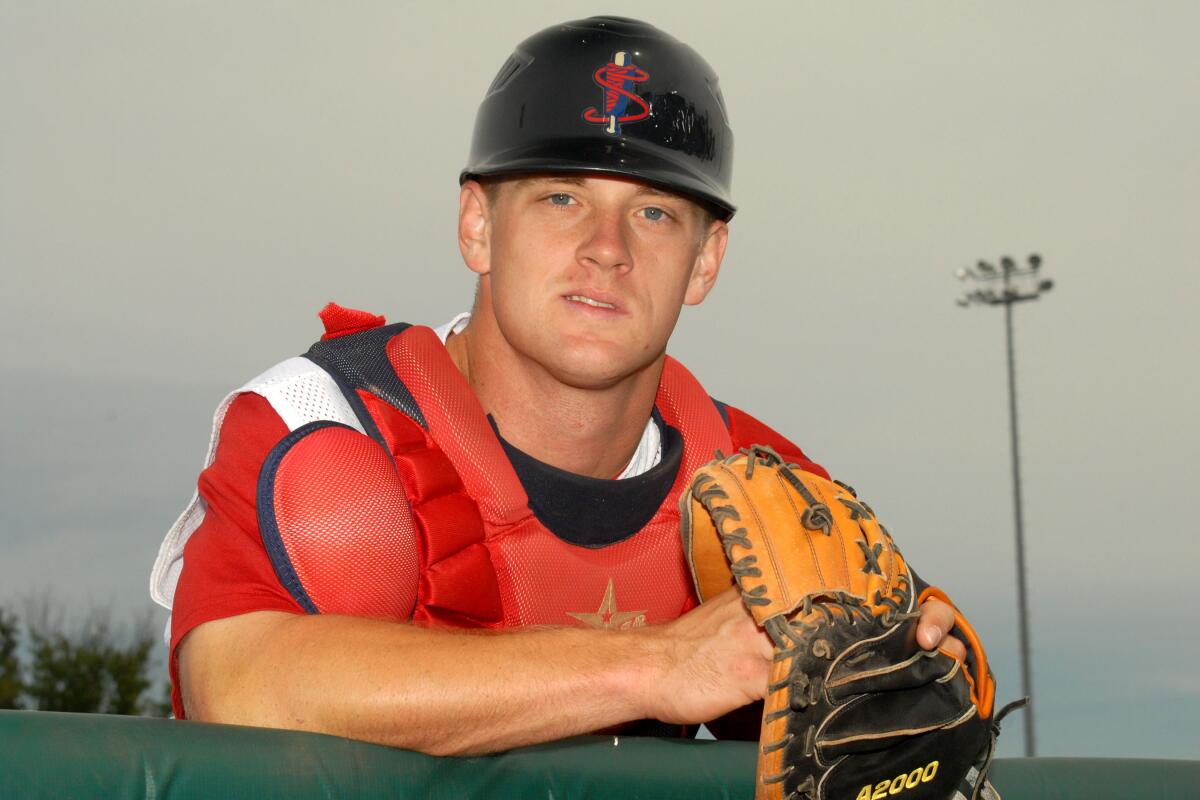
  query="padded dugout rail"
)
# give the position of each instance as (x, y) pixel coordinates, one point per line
(52, 755)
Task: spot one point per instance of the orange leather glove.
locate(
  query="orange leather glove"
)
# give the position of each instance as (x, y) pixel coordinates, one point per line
(856, 709)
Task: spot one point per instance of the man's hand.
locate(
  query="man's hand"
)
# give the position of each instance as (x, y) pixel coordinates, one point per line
(716, 659)
(933, 629)
(711, 660)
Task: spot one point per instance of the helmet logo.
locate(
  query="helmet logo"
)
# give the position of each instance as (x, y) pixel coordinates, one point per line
(617, 78)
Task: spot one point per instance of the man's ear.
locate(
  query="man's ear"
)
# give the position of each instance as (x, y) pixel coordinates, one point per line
(708, 263)
(474, 227)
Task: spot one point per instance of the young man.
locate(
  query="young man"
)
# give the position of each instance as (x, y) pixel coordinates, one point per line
(466, 540)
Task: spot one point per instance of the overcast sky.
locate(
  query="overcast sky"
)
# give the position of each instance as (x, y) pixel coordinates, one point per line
(183, 185)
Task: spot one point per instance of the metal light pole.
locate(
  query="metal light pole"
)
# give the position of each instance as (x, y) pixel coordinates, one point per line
(1011, 278)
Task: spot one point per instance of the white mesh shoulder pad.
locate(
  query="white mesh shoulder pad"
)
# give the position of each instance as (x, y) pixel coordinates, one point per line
(300, 392)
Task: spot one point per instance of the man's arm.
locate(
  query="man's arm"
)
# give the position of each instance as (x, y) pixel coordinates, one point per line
(458, 693)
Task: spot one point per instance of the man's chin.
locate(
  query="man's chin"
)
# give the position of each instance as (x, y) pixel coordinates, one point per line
(598, 369)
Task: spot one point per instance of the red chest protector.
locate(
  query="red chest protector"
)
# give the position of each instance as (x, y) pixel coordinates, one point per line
(483, 557)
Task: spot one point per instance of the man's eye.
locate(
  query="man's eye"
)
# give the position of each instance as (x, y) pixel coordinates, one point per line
(654, 214)
(560, 199)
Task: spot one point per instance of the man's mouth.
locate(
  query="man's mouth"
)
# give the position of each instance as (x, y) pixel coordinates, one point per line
(587, 301)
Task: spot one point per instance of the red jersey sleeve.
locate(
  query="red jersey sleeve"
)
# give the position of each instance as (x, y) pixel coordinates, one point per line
(745, 430)
(226, 570)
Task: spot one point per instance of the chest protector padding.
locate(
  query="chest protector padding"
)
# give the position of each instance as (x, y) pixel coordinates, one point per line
(333, 516)
(485, 560)
(448, 526)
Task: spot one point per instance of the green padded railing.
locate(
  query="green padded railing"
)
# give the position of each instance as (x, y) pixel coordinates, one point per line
(52, 755)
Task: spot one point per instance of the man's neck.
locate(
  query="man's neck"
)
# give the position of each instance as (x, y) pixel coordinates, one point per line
(591, 432)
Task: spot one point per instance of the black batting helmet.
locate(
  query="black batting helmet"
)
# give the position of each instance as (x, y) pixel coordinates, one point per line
(608, 95)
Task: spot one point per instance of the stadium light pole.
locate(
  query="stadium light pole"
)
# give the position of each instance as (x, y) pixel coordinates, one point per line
(1011, 278)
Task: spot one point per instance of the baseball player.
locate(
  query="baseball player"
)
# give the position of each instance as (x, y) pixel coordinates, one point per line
(464, 539)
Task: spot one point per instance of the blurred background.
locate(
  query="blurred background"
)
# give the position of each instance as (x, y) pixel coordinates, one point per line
(183, 185)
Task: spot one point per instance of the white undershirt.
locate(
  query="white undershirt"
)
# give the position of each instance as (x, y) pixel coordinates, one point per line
(649, 450)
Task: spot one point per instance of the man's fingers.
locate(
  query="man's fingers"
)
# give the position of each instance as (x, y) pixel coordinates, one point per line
(731, 603)
(717, 659)
(937, 618)
(766, 648)
(954, 647)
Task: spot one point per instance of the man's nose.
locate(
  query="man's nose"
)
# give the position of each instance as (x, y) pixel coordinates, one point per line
(607, 243)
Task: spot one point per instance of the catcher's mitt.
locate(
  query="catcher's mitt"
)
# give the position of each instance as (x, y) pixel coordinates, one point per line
(856, 709)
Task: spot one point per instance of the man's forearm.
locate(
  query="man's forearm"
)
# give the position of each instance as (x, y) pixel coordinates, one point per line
(460, 693)
(429, 690)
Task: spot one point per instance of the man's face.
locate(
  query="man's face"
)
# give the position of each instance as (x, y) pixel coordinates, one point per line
(587, 276)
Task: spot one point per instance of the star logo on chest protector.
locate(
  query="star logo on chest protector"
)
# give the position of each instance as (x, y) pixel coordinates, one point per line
(608, 617)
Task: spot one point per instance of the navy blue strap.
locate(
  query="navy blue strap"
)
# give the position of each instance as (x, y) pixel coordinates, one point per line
(360, 361)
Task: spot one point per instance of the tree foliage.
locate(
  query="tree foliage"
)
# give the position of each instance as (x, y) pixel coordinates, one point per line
(91, 667)
(11, 684)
